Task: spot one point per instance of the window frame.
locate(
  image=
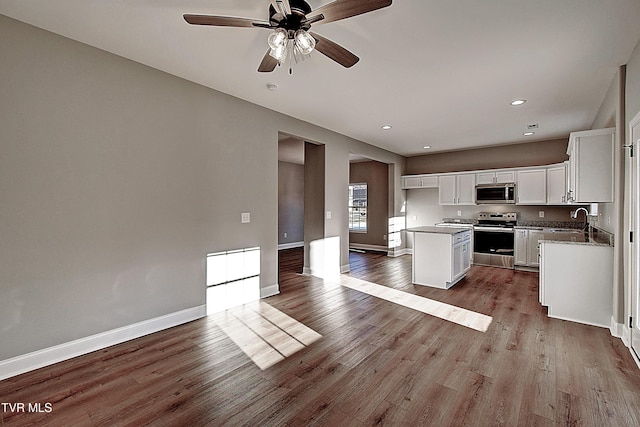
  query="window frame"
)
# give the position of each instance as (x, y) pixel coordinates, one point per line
(363, 210)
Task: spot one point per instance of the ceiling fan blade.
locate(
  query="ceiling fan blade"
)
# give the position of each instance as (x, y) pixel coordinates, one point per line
(334, 51)
(224, 21)
(268, 63)
(281, 6)
(341, 9)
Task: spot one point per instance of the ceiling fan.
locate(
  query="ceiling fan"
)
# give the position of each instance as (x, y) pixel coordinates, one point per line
(290, 22)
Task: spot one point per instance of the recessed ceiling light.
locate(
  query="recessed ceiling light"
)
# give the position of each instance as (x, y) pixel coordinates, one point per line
(272, 86)
(386, 127)
(426, 147)
(517, 102)
(528, 133)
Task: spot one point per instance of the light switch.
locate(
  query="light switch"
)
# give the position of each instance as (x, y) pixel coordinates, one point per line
(245, 217)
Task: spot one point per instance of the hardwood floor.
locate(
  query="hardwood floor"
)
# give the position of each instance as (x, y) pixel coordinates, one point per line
(377, 363)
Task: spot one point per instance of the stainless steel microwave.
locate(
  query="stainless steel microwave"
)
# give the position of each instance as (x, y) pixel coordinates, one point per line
(495, 194)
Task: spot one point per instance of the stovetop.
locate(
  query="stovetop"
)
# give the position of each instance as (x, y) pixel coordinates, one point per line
(498, 219)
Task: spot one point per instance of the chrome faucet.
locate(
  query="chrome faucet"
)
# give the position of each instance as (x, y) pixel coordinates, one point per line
(574, 215)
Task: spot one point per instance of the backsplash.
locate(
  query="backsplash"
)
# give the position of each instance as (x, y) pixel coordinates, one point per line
(600, 236)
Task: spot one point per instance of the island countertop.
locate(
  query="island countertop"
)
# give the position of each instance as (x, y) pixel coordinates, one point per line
(438, 230)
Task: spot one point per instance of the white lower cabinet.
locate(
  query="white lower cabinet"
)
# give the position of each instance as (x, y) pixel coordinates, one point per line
(527, 243)
(520, 246)
(526, 247)
(576, 282)
(440, 259)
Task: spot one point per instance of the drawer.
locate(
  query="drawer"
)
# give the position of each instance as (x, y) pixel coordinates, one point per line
(461, 237)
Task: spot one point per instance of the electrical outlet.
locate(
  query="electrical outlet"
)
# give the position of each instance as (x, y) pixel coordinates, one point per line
(459, 213)
(285, 234)
(384, 237)
(328, 214)
(541, 214)
(245, 217)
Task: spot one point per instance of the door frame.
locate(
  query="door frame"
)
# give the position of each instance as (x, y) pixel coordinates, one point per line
(634, 227)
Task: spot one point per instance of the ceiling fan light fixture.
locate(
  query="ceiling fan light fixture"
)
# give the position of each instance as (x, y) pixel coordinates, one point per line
(277, 39)
(279, 53)
(304, 42)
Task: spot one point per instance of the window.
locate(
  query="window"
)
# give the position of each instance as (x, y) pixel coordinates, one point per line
(358, 207)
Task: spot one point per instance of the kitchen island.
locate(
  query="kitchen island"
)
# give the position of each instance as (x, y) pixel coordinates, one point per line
(441, 255)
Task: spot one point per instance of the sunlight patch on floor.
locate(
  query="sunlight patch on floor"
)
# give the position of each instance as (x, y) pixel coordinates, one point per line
(264, 333)
(470, 319)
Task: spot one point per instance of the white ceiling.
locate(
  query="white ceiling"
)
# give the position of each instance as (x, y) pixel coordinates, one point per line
(441, 72)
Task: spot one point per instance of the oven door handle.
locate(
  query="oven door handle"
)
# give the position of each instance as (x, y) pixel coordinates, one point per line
(494, 229)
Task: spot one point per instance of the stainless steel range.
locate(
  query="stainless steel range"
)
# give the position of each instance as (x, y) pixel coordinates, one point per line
(493, 239)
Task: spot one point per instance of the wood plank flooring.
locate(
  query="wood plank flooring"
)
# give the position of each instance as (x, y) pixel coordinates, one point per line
(377, 363)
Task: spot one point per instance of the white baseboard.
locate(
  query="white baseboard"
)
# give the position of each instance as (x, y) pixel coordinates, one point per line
(270, 291)
(618, 330)
(399, 252)
(290, 245)
(345, 268)
(48, 356)
(366, 247)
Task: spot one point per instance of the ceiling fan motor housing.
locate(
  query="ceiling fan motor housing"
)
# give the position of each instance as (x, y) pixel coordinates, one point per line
(296, 20)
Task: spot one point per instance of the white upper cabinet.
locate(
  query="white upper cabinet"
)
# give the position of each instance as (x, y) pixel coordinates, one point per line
(532, 187)
(458, 189)
(557, 185)
(591, 163)
(419, 181)
(498, 177)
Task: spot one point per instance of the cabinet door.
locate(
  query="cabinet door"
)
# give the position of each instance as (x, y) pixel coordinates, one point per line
(466, 256)
(556, 185)
(447, 193)
(532, 251)
(466, 189)
(429, 181)
(458, 259)
(505, 177)
(532, 187)
(411, 182)
(520, 247)
(485, 177)
(592, 158)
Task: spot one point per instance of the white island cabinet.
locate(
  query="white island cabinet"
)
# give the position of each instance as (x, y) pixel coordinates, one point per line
(441, 255)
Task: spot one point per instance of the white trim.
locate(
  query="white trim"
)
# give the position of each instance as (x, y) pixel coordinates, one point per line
(48, 356)
(270, 291)
(307, 271)
(290, 245)
(400, 252)
(577, 321)
(366, 247)
(617, 330)
(345, 268)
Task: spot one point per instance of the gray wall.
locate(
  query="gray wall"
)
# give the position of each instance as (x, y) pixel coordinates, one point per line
(290, 202)
(117, 179)
(375, 175)
(504, 156)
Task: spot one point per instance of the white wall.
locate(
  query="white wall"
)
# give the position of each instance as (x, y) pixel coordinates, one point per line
(117, 179)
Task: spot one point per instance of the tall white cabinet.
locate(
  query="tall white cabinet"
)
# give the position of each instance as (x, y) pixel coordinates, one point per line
(591, 163)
